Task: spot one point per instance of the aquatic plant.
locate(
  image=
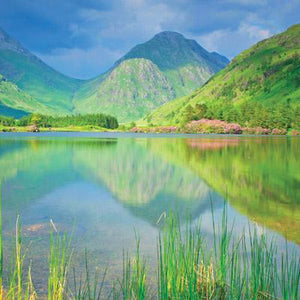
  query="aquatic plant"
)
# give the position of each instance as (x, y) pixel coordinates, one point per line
(59, 264)
(133, 284)
(249, 267)
(89, 288)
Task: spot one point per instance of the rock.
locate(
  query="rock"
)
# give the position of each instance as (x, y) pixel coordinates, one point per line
(33, 128)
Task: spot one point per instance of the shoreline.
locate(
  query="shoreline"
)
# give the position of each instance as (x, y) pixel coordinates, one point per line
(104, 130)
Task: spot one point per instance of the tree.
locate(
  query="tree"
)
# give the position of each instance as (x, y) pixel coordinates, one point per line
(201, 110)
(188, 114)
(35, 120)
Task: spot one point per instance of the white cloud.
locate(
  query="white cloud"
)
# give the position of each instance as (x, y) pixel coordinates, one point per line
(230, 42)
(131, 20)
(81, 63)
(107, 29)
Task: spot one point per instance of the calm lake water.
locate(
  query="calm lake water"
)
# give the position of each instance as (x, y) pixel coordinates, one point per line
(107, 188)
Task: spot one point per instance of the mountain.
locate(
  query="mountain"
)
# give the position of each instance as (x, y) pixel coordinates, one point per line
(51, 89)
(129, 91)
(15, 102)
(11, 112)
(184, 62)
(150, 74)
(262, 79)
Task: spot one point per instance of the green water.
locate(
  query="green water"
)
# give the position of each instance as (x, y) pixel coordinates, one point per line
(108, 187)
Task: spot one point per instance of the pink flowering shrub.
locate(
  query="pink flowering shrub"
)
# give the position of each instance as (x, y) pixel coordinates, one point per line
(277, 131)
(135, 129)
(260, 130)
(295, 132)
(212, 126)
(248, 130)
(161, 129)
(166, 129)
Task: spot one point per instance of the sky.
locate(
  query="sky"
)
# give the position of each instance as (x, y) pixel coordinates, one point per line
(83, 38)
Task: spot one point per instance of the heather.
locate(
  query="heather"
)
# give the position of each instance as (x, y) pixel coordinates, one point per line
(207, 126)
(212, 126)
(160, 129)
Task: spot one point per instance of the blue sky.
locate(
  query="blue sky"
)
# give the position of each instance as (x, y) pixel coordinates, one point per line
(83, 38)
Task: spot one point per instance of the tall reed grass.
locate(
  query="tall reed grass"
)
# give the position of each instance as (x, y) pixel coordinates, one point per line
(188, 267)
(247, 268)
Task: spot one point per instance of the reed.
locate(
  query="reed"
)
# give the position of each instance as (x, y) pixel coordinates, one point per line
(249, 267)
(133, 284)
(59, 264)
(89, 288)
(18, 285)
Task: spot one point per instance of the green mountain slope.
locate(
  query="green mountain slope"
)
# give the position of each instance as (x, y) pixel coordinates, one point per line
(165, 67)
(259, 80)
(132, 89)
(11, 112)
(53, 90)
(15, 102)
(184, 62)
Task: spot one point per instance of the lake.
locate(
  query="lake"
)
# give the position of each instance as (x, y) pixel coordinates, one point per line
(106, 188)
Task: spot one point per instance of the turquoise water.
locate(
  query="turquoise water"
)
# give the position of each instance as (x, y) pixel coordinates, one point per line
(104, 188)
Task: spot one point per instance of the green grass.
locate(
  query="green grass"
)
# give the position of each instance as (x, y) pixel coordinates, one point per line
(86, 128)
(249, 267)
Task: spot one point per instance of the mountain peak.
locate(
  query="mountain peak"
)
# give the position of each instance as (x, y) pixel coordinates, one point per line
(169, 35)
(170, 50)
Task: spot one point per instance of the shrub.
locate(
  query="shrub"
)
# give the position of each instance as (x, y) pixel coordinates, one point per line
(212, 126)
(295, 132)
(277, 131)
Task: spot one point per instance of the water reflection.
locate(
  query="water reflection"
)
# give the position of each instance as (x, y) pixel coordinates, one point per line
(258, 176)
(107, 187)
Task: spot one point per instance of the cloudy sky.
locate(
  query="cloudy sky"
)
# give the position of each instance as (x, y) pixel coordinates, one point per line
(82, 38)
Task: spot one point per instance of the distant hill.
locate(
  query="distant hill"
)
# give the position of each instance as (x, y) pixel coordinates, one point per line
(11, 112)
(16, 103)
(129, 91)
(151, 74)
(53, 90)
(260, 83)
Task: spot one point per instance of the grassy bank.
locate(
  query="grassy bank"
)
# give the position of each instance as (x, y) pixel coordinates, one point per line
(145, 129)
(55, 129)
(187, 268)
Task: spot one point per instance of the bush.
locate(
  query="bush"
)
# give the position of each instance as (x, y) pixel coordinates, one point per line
(295, 132)
(212, 126)
(277, 131)
(161, 129)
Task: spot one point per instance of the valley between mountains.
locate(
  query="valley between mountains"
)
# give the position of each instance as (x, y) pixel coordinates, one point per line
(149, 75)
